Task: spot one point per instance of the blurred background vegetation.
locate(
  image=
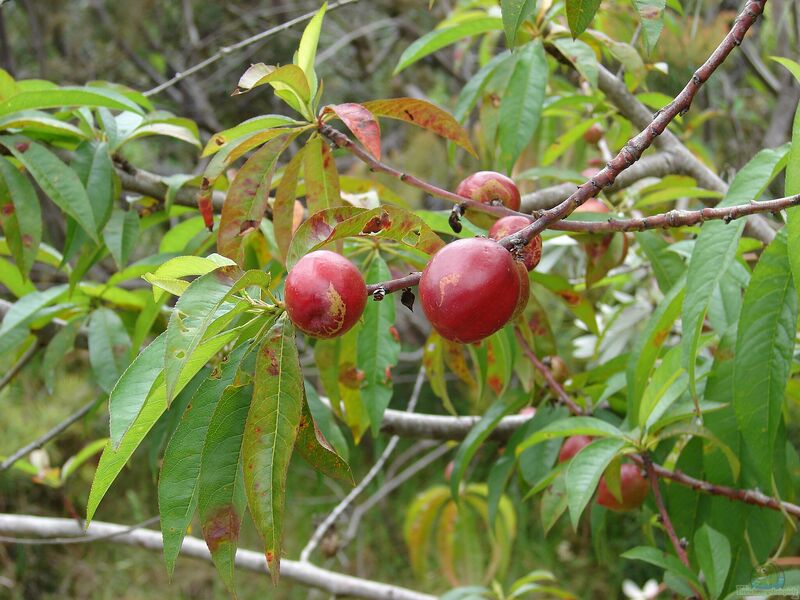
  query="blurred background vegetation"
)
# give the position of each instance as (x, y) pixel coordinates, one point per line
(142, 43)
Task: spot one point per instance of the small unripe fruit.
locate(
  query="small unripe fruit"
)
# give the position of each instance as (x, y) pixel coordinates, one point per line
(532, 252)
(488, 187)
(325, 294)
(592, 205)
(633, 488)
(594, 134)
(572, 446)
(470, 289)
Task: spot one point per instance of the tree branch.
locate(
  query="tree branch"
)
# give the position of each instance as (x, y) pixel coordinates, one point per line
(662, 509)
(19, 365)
(149, 184)
(307, 574)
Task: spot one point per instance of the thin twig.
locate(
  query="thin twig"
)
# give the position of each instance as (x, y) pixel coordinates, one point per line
(226, 50)
(548, 375)
(20, 364)
(323, 527)
(662, 509)
(41, 441)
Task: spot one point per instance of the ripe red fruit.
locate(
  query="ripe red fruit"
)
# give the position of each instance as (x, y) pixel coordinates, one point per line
(469, 289)
(532, 252)
(524, 289)
(325, 294)
(593, 134)
(592, 205)
(488, 187)
(632, 485)
(572, 446)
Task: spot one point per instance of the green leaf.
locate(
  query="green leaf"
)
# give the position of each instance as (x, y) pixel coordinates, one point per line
(307, 51)
(514, 13)
(382, 223)
(250, 126)
(667, 385)
(181, 466)
(713, 552)
(12, 278)
(656, 557)
(584, 472)
(167, 276)
(184, 130)
(133, 387)
(317, 451)
(246, 200)
(362, 123)
(121, 234)
(649, 345)
(378, 349)
(667, 266)
(792, 66)
(62, 343)
(572, 426)
(93, 165)
(698, 431)
(440, 38)
(20, 216)
(422, 114)
(66, 97)
(109, 347)
(651, 14)
(580, 14)
(470, 93)
(521, 107)
(270, 434)
(289, 81)
(792, 187)
(24, 310)
(283, 207)
(35, 121)
(582, 56)
(764, 350)
(57, 180)
(478, 434)
(324, 421)
(221, 498)
(321, 176)
(715, 248)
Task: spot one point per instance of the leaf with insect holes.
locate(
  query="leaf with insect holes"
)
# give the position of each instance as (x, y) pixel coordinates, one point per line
(20, 216)
(321, 176)
(422, 114)
(361, 122)
(220, 488)
(384, 222)
(181, 465)
(246, 200)
(270, 433)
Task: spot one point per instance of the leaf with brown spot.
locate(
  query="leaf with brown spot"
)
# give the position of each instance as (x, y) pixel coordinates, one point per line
(247, 197)
(269, 435)
(317, 452)
(348, 221)
(422, 114)
(283, 210)
(221, 498)
(377, 224)
(321, 177)
(361, 122)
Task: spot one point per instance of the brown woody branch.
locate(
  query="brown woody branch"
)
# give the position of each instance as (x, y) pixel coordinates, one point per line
(662, 509)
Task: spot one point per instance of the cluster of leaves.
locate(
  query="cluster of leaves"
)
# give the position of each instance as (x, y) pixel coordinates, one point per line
(221, 381)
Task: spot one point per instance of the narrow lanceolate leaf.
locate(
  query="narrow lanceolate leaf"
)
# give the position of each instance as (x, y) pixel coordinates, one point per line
(57, 180)
(668, 383)
(289, 82)
(199, 306)
(321, 176)
(109, 347)
(250, 126)
(246, 200)
(114, 458)
(221, 498)
(362, 123)
(521, 107)
(120, 234)
(793, 187)
(764, 348)
(422, 114)
(270, 434)
(20, 216)
(579, 14)
(283, 210)
(180, 470)
(651, 13)
(378, 349)
(62, 343)
(93, 165)
(68, 96)
(514, 13)
(130, 392)
(713, 552)
(478, 434)
(572, 426)
(474, 87)
(383, 222)
(715, 248)
(317, 451)
(307, 50)
(670, 563)
(584, 472)
(24, 309)
(445, 36)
